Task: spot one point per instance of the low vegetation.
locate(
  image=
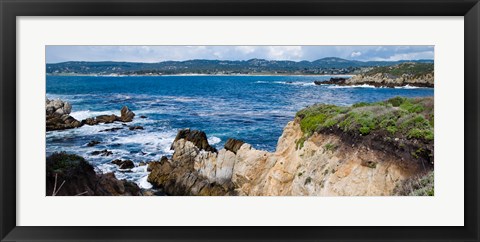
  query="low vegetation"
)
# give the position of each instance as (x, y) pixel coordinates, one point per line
(398, 117)
(409, 68)
(65, 164)
(417, 186)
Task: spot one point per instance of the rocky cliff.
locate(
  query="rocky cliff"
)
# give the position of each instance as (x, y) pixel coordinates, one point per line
(326, 162)
(411, 74)
(387, 80)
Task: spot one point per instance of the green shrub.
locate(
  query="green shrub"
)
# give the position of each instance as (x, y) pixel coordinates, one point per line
(396, 101)
(398, 116)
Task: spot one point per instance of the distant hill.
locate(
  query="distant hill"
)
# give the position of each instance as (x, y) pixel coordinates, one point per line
(330, 65)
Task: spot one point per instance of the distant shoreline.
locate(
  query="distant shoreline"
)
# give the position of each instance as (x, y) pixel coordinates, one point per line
(270, 74)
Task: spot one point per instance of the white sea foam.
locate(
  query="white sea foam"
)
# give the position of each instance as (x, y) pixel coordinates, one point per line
(152, 142)
(213, 140)
(289, 83)
(407, 87)
(352, 86)
(83, 114)
(143, 183)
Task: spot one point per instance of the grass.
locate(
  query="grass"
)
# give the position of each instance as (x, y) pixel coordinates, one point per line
(330, 147)
(414, 69)
(410, 118)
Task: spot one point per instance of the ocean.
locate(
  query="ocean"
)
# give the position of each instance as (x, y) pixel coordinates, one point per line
(254, 109)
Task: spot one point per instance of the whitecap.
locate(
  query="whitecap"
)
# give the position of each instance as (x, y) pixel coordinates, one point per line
(408, 87)
(84, 114)
(213, 140)
(352, 86)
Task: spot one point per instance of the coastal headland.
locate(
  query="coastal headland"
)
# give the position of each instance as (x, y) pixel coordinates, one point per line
(367, 149)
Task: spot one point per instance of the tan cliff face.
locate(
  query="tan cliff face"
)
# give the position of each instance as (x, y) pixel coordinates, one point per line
(324, 166)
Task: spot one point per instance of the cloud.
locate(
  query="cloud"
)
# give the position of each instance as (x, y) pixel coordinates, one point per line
(56, 54)
(356, 54)
(285, 52)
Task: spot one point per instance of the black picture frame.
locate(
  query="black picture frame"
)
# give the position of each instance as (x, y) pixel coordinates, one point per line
(10, 9)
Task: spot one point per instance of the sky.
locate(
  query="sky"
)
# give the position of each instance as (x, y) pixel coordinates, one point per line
(56, 54)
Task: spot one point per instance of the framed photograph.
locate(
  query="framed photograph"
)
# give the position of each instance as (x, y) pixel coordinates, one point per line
(239, 121)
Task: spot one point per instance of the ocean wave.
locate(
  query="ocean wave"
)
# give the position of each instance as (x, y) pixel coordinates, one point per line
(150, 142)
(408, 87)
(288, 83)
(212, 140)
(84, 114)
(352, 86)
(295, 83)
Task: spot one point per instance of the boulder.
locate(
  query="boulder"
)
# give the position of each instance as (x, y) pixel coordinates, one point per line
(124, 164)
(233, 145)
(126, 115)
(106, 118)
(197, 137)
(135, 128)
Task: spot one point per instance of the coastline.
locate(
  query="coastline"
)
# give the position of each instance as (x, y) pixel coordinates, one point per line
(216, 174)
(269, 74)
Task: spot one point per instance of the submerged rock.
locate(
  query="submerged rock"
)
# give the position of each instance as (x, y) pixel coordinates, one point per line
(135, 128)
(93, 143)
(102, 153)
(111, 129)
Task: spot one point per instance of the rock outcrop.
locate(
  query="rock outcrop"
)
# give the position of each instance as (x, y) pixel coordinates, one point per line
(126, 115)
(72, 175)
(58, 115)
(326, 165)
(180, 176)
(198, 138)
(382, 80)
(404, 74)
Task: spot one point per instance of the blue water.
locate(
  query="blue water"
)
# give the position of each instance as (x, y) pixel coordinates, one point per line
(251, 108)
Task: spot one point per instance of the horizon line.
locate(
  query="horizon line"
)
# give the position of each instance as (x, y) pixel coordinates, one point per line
(237, 60)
